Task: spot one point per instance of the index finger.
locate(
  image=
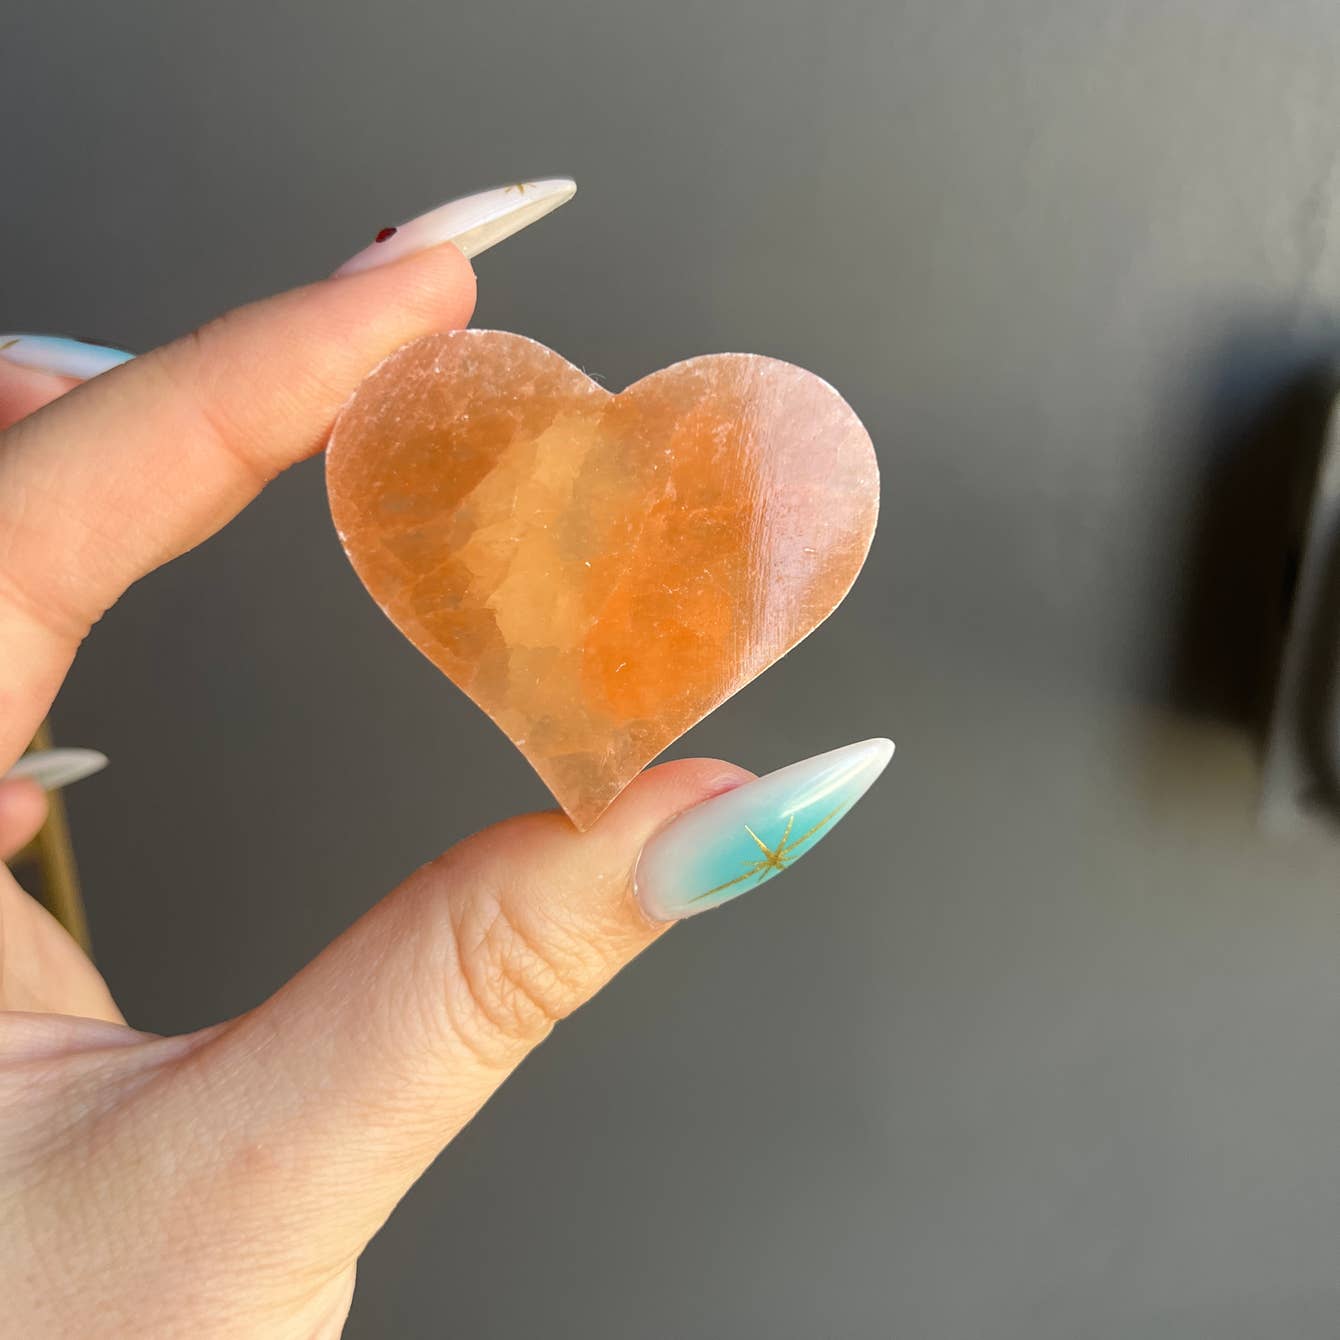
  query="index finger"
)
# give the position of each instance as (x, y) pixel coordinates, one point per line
(133, 468)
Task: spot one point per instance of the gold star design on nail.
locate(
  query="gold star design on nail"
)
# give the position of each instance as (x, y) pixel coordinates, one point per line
(774, 859)
(520, 187)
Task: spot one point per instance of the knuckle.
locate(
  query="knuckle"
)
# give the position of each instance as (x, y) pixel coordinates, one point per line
(200, 371)
(514, 977)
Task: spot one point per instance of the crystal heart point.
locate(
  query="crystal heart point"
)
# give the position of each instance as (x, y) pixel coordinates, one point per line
(598, 571)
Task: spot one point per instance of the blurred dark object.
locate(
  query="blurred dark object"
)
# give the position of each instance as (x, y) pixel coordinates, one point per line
(1247, 529)
(1301, 782)
(51, 855)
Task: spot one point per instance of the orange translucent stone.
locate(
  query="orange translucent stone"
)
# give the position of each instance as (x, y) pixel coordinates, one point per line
(599, 571)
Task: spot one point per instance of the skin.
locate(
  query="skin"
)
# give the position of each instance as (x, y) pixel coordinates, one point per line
(225, 1182)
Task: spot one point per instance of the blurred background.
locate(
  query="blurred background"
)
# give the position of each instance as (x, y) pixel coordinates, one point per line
(1045, 1045)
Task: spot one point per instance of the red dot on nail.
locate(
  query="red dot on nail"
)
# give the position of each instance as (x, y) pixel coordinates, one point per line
(385, 233)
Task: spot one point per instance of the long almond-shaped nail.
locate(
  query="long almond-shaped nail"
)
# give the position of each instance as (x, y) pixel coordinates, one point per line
(734, 842)
(53, 768)
(474, 223)
(60, 356)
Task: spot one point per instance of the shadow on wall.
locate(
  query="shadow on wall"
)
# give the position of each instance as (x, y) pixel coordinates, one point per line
(1266, 419)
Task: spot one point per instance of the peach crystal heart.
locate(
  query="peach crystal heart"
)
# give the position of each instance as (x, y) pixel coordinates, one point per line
(598, 571)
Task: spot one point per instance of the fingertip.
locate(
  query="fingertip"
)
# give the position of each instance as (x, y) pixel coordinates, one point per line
(545, 859)
(659, 793)
(439, 281)
(611, 847)
(23, 391)
(23, 811)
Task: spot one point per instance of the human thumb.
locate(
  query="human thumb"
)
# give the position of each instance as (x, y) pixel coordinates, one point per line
(338, 1092)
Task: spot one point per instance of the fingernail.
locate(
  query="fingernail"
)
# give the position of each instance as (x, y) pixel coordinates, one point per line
(53, 768)
(474, 223)
(60, 356)
(734, 842)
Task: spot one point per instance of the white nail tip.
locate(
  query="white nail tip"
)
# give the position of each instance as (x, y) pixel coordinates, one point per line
(52, 769)
(474, 223)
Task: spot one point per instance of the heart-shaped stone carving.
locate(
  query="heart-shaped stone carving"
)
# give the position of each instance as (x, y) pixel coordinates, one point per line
(598, 571)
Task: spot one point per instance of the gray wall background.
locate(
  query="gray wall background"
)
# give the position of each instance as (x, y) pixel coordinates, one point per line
(1045, 1044)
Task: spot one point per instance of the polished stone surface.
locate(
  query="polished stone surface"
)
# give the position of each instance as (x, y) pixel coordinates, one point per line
(599, 571)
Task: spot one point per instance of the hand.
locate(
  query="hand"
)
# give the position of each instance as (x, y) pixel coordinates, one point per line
(225, 1182)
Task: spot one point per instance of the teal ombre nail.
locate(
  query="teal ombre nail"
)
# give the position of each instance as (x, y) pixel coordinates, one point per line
(60, 356)
(733, 842)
